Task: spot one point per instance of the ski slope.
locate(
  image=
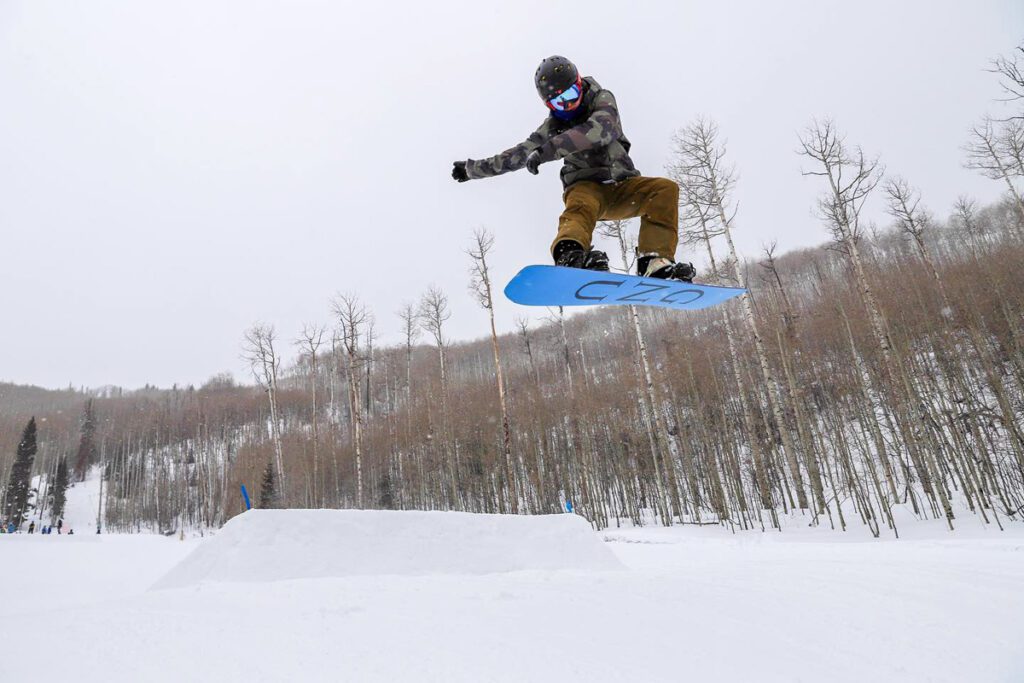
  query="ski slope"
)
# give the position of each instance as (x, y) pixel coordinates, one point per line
(457, 597)
(81, 508)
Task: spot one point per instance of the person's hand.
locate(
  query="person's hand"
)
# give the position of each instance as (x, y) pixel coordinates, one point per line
(459, 171)
(533, 162)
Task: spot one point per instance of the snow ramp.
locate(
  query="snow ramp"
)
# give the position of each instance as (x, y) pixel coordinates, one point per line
(278, 545)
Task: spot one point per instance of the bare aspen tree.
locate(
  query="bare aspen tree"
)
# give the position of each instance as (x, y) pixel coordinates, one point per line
(309, 341)
(1010, 70)
(352, 316)
(965, 216)
(789, 316)
(912, 220)
(258, 350)
(577, 453)
(333, 409)
(851, 178)
(368, 338)
(698, 227)
(697, 224)
(523, 330)
(410, 333)
(795, 389)
(700, 161)
(656, 430)
(433, 314)
(1011, 144)
(559, 319)
(986, 153)
(481, 290)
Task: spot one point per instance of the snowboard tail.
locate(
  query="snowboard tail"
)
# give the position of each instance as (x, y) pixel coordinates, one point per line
(561, 286)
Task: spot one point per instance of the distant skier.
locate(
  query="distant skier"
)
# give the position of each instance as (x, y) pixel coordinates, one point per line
(584, 131)
(32, 527)
(60, 525)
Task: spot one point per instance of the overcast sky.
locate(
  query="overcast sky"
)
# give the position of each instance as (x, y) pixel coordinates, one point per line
(171, 173)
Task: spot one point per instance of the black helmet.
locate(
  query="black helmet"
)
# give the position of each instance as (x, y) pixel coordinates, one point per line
(554, 75)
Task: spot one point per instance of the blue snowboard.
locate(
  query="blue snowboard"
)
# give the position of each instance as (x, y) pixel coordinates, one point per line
(560, 286)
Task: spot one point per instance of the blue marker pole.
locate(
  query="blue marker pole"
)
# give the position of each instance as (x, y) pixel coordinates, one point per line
(245, 495)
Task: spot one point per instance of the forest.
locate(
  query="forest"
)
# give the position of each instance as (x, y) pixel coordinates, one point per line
(882, 368)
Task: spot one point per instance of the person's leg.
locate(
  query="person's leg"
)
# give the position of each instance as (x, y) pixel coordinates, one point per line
(656, 202)
(584, 203)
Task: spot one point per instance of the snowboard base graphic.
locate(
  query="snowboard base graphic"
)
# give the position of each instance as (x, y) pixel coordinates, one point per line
(561, 286)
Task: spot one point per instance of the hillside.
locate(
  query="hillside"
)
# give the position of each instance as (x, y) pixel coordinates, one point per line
(585, 431)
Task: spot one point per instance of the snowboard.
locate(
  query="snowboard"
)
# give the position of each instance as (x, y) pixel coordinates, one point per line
(561, 286)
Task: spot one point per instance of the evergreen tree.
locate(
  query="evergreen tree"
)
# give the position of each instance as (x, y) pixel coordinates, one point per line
(58, 492)
(268, 490)
(86, 444)
(18, 485)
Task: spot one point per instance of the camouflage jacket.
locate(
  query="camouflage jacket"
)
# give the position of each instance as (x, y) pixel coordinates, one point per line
(591, 146)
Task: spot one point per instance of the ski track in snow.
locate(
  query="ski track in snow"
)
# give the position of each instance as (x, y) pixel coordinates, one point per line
(695, 603)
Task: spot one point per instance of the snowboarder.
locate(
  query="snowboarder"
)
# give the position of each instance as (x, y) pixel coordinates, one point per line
(600, 182)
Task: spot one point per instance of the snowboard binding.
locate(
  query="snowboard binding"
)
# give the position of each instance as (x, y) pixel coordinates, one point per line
(571, 254)
(652, 265)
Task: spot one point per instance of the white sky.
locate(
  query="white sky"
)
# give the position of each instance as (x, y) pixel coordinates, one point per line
(173, 172)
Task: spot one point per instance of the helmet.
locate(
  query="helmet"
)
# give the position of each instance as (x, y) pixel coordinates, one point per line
(554, 76)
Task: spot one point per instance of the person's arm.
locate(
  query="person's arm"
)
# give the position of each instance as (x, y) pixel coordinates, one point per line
(511, 159)
(600, 129)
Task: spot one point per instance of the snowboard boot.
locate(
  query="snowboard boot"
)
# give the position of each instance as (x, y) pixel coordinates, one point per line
(571, 254)
(652, 265)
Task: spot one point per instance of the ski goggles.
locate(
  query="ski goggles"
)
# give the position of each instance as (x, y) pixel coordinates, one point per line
(568, 99)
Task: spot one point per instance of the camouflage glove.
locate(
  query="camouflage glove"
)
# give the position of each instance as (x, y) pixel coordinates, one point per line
(459, 171)
(533, 162)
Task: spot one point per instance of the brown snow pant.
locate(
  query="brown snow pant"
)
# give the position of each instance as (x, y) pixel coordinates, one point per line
(654, 200)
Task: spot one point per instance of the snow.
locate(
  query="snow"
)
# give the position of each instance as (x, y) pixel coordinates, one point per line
(692, 603)
(274, 545)
(81, 504)
(81, 509)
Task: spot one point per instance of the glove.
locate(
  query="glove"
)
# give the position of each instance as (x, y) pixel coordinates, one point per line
(533, 162)
(459, 171)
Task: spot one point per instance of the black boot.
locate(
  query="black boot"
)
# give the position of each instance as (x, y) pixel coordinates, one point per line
(571, 254)
(652, 265)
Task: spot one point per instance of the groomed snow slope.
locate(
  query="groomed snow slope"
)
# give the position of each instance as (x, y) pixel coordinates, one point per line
(80, 509)
(692, 604)
(277, 545)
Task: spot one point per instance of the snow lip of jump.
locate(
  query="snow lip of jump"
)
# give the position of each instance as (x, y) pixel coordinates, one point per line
(281, 545)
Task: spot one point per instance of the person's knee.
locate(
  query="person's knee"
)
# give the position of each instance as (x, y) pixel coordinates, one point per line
(666, 189)
(581, 202)
(662, 200)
